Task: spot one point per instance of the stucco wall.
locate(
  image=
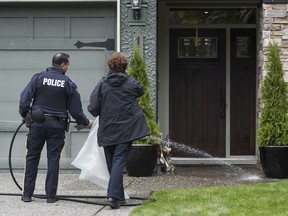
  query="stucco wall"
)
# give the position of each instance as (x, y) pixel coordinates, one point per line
(147, 29)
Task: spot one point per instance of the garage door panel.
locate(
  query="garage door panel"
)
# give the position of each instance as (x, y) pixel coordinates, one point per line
(88, 59)
(24, 60)
(89, 26)
(77, 141)
(11, 82)
(14, 27)
(19, 144)
(75, 27)
(86, 83)
(29, 37)
(51, 27)
(110, 27)
(40, 59)
(9, 112)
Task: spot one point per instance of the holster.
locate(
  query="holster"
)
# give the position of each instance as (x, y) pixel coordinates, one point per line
(38, 115)
(67, 123)
(29, 119)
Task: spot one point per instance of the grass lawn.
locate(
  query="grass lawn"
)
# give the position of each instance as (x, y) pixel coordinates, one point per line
(265, 199)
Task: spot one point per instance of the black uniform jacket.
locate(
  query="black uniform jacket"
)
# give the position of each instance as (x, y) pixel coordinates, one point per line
(121, 118)
(55, 94)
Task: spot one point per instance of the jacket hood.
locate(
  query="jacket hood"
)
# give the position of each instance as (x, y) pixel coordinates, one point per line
(116, 79)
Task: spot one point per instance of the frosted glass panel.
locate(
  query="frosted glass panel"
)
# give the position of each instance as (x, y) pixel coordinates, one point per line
(197, 47)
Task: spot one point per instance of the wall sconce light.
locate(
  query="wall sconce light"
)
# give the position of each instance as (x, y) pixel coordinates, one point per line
(136, 7)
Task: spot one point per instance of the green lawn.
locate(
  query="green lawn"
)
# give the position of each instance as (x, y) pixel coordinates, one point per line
(265, 199)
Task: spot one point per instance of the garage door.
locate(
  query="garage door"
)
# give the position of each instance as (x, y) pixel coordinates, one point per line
(29, 36)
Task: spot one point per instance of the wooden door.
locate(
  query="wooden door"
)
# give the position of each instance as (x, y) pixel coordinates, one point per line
(243, 91)
(197, 90)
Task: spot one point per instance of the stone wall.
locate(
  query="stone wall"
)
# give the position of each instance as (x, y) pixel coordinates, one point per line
(273, 27)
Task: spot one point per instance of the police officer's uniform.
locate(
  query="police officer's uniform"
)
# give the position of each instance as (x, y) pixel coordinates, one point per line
(52, 95)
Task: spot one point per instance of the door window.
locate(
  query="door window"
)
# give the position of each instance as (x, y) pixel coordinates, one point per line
(242, 47)
(197, 47)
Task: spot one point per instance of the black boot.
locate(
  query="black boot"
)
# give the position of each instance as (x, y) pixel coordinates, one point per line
(26, 199)
(113, 203)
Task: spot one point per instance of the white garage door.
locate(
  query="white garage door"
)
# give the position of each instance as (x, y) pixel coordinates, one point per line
(29, 36)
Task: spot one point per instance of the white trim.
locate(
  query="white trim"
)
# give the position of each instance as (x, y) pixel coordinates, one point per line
(228, 102)
(257, 68)
(215, 161)
(118, 33)
(163, 68)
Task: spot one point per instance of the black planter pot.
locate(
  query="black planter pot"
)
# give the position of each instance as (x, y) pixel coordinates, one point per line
(142, 160)
(274, 161)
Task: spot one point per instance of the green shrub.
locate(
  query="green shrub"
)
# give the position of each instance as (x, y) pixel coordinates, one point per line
(273, 122)
(137, 70)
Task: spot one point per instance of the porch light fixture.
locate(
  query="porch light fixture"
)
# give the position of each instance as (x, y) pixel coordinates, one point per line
(136, 8)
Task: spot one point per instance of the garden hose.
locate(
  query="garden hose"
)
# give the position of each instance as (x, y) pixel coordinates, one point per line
(72, 198)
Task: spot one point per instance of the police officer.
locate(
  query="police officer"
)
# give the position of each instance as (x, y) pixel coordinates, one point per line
(44, 104)
(121, 120)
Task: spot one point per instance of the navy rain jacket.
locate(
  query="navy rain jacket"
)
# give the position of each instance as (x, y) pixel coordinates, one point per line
(121, 118)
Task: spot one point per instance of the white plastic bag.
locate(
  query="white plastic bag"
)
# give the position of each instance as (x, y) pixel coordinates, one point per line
(91, 160)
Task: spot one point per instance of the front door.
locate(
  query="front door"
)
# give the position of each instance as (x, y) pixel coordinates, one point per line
(197, 90)
(197, 93)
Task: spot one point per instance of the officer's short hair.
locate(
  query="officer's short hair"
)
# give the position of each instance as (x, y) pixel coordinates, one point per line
(118, 62)
(60, 58)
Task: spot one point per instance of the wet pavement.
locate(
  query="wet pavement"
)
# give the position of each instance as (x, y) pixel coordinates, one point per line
(137, 187)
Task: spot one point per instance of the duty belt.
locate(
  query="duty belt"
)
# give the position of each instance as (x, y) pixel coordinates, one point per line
(56, 118)
(51, 118)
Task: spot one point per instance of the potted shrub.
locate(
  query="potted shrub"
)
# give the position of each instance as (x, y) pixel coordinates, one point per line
(143, 156)
(272, 134)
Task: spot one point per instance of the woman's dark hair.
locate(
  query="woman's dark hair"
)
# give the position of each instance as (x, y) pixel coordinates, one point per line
(60, 58)
(118, 62)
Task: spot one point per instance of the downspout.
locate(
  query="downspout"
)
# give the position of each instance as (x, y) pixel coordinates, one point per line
(118, 27)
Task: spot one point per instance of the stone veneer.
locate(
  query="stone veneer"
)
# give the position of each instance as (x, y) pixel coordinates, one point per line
(273, 27)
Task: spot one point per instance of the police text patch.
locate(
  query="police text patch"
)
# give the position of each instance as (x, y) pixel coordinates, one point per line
(53, 82)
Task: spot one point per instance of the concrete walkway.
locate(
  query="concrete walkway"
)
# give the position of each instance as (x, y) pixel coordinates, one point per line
(69, 184)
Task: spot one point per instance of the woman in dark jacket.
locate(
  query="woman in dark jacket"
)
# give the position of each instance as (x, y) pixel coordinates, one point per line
(121, 120)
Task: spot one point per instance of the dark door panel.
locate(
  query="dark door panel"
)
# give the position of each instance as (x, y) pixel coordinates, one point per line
(197, 91)
(243, 91)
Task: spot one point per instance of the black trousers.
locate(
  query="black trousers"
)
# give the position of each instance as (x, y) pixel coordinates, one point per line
(36, 138)
(116, 157)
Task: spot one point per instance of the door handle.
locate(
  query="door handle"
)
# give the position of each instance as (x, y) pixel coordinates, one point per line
(222, 103)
